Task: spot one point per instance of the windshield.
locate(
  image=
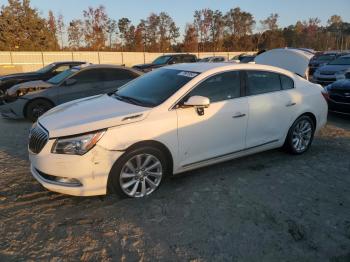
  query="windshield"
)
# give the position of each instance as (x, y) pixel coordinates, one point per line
(62, 76)
(326, 58)
(154, 88)
(341, 61)
(161, 60)
(46, 68)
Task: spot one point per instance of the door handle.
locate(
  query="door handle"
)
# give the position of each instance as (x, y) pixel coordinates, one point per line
(238, 115)
(291, 104)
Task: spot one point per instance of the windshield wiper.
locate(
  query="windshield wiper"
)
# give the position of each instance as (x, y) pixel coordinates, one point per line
(129, 99)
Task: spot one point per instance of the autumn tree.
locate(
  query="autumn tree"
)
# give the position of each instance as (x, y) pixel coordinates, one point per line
(190, 43)
(75, 34)
(95, 22)
(22, 28)
(111, 30)
(52, 26)
(60, 29)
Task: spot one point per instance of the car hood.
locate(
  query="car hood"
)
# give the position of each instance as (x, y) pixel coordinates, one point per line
(294, 60)
(90, 114)
(35, 85)
(333, 68)
(343, 84)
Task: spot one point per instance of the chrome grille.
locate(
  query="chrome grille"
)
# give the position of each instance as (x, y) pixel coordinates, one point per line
(38, 138)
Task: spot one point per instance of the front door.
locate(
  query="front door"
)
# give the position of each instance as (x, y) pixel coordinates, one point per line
(222, 128)
(88, 82)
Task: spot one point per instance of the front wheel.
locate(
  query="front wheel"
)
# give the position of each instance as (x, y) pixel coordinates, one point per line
(138, 173)
(300, 135)
(36, 108)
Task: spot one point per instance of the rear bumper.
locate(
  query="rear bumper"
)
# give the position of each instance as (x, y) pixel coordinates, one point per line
(338, 107)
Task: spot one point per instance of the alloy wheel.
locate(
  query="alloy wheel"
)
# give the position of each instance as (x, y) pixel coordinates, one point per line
(302, 135)
(141, 175)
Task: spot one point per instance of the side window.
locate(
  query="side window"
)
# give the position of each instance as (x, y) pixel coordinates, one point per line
(89, 76)
(260, 82)
(188, 59)
(60, 69)
(111, 74)
(219, 87)
(176, 59)
(287, 83)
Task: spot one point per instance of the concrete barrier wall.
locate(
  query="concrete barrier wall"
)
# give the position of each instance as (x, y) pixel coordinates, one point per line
(11, 62)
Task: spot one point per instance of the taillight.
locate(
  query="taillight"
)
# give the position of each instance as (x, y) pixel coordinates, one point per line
(325, 94)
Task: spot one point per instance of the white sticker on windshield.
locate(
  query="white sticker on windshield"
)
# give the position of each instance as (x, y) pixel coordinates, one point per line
(187, 74)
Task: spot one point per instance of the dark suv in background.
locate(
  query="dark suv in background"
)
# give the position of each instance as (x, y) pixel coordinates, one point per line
(166, 60)
(321, 59)
(44, 73)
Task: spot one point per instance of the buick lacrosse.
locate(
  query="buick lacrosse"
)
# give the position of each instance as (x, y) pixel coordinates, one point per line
(169, 121)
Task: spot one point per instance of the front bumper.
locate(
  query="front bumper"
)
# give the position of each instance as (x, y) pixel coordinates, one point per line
(334, 106)
(324, 79)
(13, 110)
(91, 170)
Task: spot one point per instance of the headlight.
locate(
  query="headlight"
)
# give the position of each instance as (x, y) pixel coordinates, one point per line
(340, 74)
(77, 145)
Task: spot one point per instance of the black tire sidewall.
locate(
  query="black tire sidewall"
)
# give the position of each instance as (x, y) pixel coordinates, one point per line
(113, 185)
(289, 141)
(31, 105)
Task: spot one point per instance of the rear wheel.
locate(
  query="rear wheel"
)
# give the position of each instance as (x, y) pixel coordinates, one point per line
(138, 173)
(36, 108)
(300, 135)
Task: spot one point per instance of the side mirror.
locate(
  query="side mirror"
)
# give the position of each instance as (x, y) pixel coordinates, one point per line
(70, 82)
(199, 102)
(171, 62)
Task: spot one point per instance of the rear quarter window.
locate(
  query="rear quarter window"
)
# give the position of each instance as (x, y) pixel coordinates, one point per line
(286, 82)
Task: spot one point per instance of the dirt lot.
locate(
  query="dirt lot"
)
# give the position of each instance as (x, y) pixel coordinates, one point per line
(266, 207)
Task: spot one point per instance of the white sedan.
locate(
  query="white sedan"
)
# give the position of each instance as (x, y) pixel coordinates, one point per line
(172, 120)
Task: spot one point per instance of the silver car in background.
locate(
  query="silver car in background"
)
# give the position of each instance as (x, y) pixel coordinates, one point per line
(31, 99)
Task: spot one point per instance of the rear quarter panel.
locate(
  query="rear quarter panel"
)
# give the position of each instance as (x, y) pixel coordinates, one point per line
(312, 101)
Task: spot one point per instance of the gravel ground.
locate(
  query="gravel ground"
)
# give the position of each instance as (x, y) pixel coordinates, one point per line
(266, 207)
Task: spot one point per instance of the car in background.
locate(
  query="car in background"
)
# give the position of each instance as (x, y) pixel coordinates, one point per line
(337, 95)
(242, 58)
(327, 74)
(164, 60)
(31, 99)
(320, 60)
(44, 73)
(212, 59)
(172, 120)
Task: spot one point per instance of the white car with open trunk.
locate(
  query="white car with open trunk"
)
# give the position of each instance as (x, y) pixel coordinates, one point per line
(172, 120)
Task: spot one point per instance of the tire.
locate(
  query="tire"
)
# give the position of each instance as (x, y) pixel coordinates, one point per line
(144, 180)
(300, 135)
(36, 108)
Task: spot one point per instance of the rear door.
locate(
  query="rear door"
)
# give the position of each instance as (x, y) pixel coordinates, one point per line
(272, 101)
(88, 82)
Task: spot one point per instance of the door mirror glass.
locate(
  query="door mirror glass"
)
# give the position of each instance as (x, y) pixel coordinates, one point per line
(70, 82)
(198, 101)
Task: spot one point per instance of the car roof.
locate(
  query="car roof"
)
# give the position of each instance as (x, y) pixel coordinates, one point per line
(205, 67)
(177, 54)
(93, 66)
(69, 62)
(346, 56)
